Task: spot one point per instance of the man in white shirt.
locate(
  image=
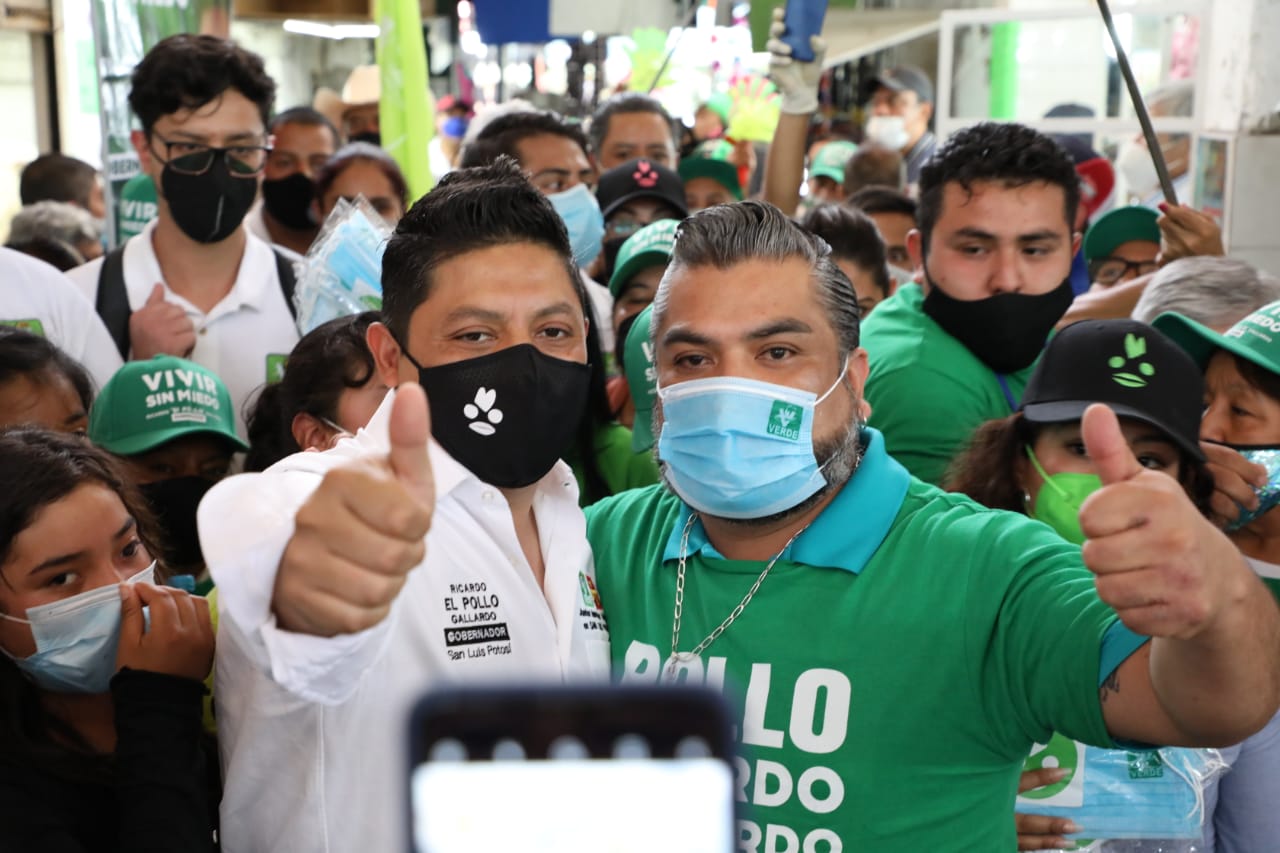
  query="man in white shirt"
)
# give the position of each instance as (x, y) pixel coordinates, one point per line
(326, 635)
(194, 284)
(38, 298)
(302, 141)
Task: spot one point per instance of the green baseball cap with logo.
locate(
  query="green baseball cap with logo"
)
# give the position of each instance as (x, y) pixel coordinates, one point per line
(830, 160)
(1119, 226)
(711, 160)
(642, 379)
(1256, 338)
(148, 403)
(649, 247)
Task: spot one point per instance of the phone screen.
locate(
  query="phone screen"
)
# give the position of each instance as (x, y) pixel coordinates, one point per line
(620, 805)
(604, 769)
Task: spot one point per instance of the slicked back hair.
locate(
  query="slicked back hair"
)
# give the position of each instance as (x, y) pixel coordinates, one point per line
(730, 234)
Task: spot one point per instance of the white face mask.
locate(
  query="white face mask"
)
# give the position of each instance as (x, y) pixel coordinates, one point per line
(888, 132)
(1139, 170)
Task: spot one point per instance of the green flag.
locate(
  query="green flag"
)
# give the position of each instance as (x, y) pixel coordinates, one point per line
(405, 113)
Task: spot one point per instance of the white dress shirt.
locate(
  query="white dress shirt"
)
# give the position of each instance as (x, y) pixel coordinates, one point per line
(314, 731)
(244, 338)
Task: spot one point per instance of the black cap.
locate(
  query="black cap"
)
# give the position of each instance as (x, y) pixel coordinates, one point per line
(1134, 369)
(640, 178)
(904, 78)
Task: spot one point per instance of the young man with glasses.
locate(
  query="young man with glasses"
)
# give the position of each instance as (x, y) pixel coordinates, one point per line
(195, 283)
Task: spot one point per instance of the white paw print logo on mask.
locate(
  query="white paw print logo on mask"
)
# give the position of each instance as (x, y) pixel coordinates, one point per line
(483, 416)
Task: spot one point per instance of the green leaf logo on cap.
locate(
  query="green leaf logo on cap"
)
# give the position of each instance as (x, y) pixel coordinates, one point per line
(1134, 349)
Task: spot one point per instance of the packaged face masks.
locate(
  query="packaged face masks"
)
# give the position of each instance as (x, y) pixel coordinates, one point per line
(1269, 495)
(1122, 794)
(342, 272)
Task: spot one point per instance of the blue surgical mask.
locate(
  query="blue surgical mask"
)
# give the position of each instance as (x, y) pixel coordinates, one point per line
(76, 639)
(580, 212)
(738, 448)
(1119, 793)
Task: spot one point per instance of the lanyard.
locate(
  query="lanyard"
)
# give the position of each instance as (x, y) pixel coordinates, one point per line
(1008, 394)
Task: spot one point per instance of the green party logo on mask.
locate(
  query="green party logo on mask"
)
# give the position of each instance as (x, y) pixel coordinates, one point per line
(784, 420)
(1145, 765)
(1134, 349)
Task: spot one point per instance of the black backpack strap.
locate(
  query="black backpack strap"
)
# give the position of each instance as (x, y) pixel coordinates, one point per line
(284, 268)
(113, 300)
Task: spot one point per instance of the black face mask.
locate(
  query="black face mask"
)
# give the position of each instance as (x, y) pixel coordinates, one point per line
(288, 200)
(508, 416)
(373, 137)
(173, 503)
(1006, 332)
(209, 207)
(611, 247)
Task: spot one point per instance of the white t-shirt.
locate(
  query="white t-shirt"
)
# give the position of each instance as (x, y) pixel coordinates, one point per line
(601, 312)
(247, 335)
(314, 731)
(37, 297)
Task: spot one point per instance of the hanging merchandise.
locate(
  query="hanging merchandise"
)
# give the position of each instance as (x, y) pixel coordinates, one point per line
(406, 114)
(342, 272)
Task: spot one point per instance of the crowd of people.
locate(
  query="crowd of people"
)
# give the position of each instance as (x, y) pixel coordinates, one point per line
(921, 450)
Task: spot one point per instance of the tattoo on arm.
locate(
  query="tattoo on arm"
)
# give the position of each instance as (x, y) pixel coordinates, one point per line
(1111, 685)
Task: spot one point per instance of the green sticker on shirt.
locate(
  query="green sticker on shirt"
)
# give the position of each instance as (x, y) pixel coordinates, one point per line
(33, 326)
(275, 367)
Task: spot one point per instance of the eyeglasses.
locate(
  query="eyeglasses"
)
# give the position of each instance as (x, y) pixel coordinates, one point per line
(623, 227)
(1111, 270)
(194, 158)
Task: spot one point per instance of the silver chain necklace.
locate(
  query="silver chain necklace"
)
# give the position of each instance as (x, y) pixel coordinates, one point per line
(678, 657)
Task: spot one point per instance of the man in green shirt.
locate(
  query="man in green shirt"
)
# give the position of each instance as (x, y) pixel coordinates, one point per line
(893, 651)
(995, 239)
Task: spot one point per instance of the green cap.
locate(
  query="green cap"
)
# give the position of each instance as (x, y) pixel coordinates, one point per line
(137, 205)
(830, 160)
(642, 379)
(1120, 226)
(721, 104)
(1256, 338)
(148, 403)
(711, 160)
(649, 247)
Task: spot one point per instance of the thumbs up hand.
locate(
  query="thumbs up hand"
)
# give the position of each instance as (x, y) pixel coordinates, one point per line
(361, 532)
(1157, 561)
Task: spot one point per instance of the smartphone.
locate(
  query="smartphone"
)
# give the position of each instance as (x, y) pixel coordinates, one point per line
(568, 769)
(804, 20)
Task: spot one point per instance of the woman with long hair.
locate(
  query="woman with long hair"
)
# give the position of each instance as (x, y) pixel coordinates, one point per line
(101, 744)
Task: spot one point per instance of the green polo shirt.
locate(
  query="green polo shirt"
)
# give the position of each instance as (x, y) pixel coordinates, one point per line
(927, 392)
(893, 670)
(620, 467)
